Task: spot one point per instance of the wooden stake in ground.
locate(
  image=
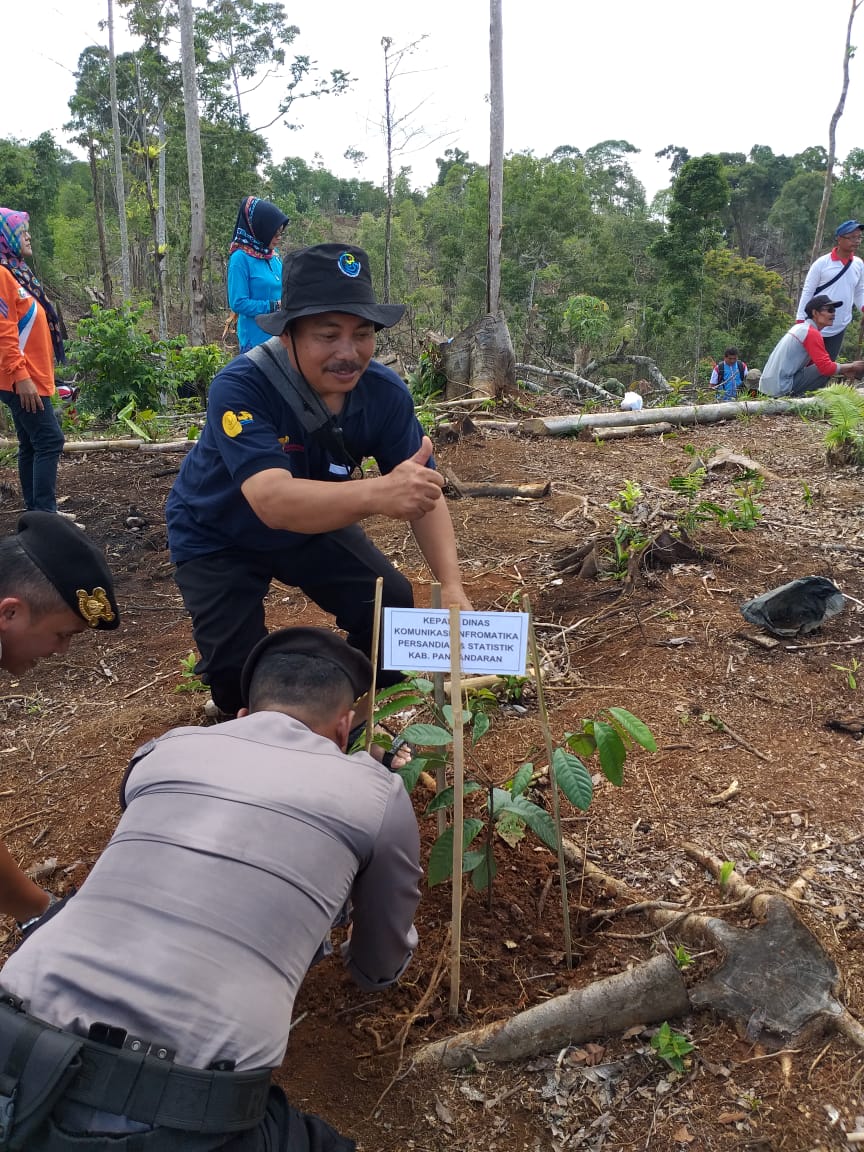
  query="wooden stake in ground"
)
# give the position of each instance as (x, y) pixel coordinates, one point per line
(458, 805)
(553, 783)
(376, 644)
(438, 690)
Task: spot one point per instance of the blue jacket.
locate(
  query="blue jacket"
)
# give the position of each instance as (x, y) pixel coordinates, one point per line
(253, 285)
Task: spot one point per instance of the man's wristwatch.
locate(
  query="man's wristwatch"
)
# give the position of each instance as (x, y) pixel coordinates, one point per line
(23, 925)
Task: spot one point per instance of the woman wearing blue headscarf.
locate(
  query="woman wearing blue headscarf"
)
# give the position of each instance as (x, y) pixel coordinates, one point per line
(254, 267)
(31, 339)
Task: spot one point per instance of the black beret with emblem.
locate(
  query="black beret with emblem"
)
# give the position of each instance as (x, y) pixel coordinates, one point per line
(73, 564)
(318, 642)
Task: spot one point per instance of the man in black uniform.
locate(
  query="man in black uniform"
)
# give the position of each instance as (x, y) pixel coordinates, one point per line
(274, 490)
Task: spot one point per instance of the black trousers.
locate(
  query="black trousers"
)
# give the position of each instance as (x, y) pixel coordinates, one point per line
(834, 343)
(283, 1129)
(224, 594)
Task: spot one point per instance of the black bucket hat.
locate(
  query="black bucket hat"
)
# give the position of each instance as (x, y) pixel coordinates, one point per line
(318, 642)
(73, 564)
(328, 278)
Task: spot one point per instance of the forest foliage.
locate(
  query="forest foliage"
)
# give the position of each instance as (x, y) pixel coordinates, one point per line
(717, 258)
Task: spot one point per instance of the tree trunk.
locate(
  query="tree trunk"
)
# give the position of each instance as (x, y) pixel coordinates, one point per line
(496, 158)
(125, 273)
(689, 414)
(99, 209)
(650, 992)
(388, 138)
(571, 377)
(161, 237)
(832, 135)
(197, 334)
(479, 361)
(144, 137)
(645, 362)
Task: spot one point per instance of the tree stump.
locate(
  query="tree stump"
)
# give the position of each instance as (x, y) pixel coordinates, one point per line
(479, 361)
(776, 984)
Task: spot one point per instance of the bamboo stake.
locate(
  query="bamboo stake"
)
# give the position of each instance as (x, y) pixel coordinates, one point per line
(458, 806)
(553, 781)
(438, 687)
(376, 644)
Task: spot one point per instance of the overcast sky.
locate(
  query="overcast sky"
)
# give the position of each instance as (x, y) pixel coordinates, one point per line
(709, 77)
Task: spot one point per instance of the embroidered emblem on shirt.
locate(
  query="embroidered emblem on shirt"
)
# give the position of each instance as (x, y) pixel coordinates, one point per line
(287, 446)
(349, 264)
(94, 606)
(23, 294)
(232, 422)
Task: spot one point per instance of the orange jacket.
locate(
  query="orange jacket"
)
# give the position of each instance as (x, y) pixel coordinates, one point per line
(25, 338)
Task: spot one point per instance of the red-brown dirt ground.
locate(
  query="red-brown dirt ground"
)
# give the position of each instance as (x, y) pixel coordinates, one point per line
(672, 648)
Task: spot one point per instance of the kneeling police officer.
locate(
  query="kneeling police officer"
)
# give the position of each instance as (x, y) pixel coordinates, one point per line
(148, 1012)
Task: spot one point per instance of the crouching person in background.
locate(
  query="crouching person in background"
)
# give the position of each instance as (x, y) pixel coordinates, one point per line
(149, 1011)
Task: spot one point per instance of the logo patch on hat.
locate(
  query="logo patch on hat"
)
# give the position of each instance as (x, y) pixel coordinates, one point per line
(232, 422)
(94, 606)
(349, 264)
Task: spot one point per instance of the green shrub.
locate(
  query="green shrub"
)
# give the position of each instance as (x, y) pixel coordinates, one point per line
(118, 364)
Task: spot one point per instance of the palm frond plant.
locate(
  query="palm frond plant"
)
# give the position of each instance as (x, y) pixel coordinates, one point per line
(843, 407)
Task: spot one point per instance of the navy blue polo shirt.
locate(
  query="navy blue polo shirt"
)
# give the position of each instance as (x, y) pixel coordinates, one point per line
(249, 429)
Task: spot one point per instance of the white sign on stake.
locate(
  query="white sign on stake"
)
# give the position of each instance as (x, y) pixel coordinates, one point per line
(418, 640)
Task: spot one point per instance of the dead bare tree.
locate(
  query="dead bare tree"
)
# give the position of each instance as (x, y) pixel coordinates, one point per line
(197, 334)
(125, 271)
(398, 133)
(496, 157)
(832, 134)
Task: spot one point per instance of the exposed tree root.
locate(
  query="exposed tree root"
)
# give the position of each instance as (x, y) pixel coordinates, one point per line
(775, 983)
(650, 992)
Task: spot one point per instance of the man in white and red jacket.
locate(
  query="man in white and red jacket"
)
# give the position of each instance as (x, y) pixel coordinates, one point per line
(841, 273)
(800, 362)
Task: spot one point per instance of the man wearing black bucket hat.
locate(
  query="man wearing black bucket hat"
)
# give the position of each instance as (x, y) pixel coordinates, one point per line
(274, 488)
(54, 583)
(800, 362)
(173, 972)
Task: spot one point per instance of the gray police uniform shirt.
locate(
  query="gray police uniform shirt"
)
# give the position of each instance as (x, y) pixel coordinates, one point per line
(239, 846)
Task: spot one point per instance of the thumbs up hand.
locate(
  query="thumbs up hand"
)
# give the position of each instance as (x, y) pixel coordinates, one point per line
(411, 489)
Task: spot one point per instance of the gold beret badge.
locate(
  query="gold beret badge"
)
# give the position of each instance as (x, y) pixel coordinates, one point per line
(94, 606)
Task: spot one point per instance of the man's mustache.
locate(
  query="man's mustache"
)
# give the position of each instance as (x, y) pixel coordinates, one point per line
(344, 366)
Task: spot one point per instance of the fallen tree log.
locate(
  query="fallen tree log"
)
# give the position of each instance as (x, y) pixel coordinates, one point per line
(646, 994)
(684, 414)
(621, 433)
(652, 371)
(572, 377)
(506, 490)
(77, 446)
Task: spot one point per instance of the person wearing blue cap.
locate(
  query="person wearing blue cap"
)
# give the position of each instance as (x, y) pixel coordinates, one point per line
(841, 272)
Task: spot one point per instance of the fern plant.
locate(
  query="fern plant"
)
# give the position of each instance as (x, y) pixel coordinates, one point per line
(843, 407)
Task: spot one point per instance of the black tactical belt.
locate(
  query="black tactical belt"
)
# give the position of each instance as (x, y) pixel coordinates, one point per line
(142, 1087)
(153, 1091)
